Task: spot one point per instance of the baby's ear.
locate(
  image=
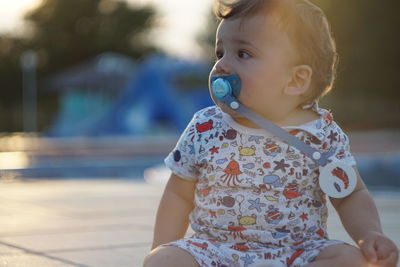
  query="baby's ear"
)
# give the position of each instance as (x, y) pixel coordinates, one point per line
(300, 80)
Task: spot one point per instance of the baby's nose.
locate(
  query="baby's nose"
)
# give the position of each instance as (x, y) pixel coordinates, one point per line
(222, 67)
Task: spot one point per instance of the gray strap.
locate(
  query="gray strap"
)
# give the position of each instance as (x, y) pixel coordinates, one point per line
(318, 157)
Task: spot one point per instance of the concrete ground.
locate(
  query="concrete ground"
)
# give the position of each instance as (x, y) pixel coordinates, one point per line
(107, 222)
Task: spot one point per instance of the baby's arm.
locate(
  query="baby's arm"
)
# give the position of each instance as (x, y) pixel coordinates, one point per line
(360, 218)
(358, 212)
(173, 212)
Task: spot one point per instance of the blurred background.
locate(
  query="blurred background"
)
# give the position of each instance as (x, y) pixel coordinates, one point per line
(95, 93)
(103, 88)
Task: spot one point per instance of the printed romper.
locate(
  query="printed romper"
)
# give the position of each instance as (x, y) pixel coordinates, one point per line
(257, 199)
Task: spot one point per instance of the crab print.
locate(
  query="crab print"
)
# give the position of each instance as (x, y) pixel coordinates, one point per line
(247, 151)
(205, 126)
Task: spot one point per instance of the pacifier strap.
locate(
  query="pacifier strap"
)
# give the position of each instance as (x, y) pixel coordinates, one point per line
(320, 158)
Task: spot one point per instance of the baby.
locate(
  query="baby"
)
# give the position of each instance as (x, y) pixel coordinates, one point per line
(251, 198)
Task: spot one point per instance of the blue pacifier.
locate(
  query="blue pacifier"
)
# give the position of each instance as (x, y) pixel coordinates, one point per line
(225, 85)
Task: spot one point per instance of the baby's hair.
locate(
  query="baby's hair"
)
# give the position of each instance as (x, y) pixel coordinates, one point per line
(306, 26)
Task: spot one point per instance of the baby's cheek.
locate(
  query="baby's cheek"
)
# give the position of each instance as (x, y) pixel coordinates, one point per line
(246, 96)
(252, 98)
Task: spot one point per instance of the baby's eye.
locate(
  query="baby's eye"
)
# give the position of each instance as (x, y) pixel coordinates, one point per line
(243, 54)
(218, 54)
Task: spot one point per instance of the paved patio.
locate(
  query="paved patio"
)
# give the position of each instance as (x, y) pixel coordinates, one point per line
(107, 222)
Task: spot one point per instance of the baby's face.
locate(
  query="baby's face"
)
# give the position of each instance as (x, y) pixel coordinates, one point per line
(261, 54)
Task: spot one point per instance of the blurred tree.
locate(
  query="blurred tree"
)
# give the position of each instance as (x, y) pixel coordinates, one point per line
(10, 83)
(207, 39)
(68, 32)
(65, 33)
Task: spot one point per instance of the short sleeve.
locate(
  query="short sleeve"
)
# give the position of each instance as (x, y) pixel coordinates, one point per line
(182, 159)
(341, 145)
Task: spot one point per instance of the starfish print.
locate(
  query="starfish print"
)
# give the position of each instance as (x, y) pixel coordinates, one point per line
(214, 149)
(281, 165)
(248, 259)
(304, 216)
(255, 204)
(332, 136)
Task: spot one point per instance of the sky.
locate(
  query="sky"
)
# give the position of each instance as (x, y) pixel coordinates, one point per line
(180, 22)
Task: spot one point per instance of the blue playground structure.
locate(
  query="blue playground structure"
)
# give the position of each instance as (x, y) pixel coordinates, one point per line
(160, 97)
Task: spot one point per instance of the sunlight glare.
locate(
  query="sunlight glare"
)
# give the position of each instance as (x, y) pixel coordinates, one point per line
(13, 160)
(12, 12)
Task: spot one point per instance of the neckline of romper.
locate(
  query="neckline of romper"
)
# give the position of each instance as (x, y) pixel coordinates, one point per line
(315, 127)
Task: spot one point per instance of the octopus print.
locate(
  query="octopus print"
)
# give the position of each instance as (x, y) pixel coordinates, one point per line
(232, 171)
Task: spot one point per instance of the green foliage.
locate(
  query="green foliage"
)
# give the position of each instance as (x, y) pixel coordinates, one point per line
(66, 33)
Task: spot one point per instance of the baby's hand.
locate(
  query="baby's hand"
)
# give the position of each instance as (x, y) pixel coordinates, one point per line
(379, 250)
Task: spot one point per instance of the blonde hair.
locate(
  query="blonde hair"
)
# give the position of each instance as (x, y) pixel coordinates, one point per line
(306, 26)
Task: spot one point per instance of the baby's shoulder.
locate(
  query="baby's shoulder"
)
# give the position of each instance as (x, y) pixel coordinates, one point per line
(324, 123)
(332, 132)
(323, 131)
(208, 113)
(329, 124)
